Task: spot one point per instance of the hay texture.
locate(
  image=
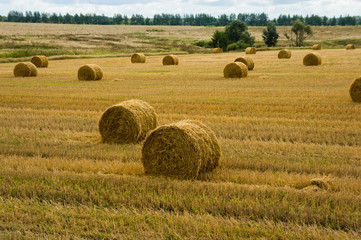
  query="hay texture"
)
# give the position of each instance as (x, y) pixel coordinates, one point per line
(170, 60)
(138, 58)
(217, 50)
(25, 69)
(235, 70)
(350, 46)
(247, 61)
(312, 59)
(127, 122)
(40, 61)
(181, 150)
(251, 50)
(90, 72)
(316, 47)
(355, 90)
(284, 54)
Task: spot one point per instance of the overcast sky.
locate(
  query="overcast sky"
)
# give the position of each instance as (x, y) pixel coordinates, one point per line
(273, 8)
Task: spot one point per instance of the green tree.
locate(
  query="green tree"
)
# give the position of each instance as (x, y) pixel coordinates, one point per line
(301, 31)
(237, 31)
(219, 39)
(270, 35)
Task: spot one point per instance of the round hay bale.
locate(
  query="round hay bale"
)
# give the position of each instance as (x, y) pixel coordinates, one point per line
(40, 61)
(251, 50)
(127, 122)
(90, 72)
(355, 90)
(235, 70)
(350, 46)
(217, 50)
(316, 47)
(284, 54)
(25, 69)
(138, 58)
(312, 59)
(247, 61)
(170, 60)
(181, 150)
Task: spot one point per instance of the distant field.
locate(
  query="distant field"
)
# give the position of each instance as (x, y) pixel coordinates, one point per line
(279, 128)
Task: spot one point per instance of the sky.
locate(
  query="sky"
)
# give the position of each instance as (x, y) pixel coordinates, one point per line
(273, 8)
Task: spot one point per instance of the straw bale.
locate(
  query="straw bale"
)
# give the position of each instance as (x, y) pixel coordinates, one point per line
(90, 72)
(312, 59)
(170, 60)
(217, 50)
(251, 50)
(316, 47)
(40, 61)
(127, 122)
(138, 58)
(25, 69)
(355, 90)
(181, 150)
(247, 61)
(284, 54)
(350, 46)
(235, 70)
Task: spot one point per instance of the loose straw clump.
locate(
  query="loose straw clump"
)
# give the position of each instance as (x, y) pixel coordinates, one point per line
(284, 54)
(247, 61)
(316, 47)
(355, 90)
(40, 61)
(350, 46)
(312, 59)
(251, 50)
(25, 69)
(181, 150)
(170, 60)
(235, 70)
(127, 122)
(138, 58)
(90, 72)
(217, 50)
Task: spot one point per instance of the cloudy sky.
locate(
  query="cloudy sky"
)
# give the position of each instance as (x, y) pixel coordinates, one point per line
(214, 7)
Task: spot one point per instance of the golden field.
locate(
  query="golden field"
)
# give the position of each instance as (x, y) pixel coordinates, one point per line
(290, 138)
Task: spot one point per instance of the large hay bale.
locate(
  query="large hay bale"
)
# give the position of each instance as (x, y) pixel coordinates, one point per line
(170, 60)
(217, 50)
(251, 50)
(316, 47)
(350, 46)
(25, 69)
(90, 72)
(138, 58)
(40, 61)
(284, 54)
(247, 61)
(181, 150)
(127, 122)
(235, 70)
(355, 90)
(312, 59)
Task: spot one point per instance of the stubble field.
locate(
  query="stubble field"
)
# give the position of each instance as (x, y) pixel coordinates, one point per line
(290, 138)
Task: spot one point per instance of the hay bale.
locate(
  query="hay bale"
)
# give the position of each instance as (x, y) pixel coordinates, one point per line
(355, 90)
(235, 70)
(312, 59)
(40, 61)
(284, 54)
(247, 61)
(90, 72)
(181, 150)
(350, 46)
(217, 50)
(251, 50)
(127, 122)
(170, 60)
(138, 58)
(25, 69)
(316, 47)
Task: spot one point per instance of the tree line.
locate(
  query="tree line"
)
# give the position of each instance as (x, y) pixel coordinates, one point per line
(202, 19)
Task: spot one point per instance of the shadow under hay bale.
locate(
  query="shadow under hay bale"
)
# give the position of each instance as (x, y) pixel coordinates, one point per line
(247, 61)
(316, 47)
(284, 54)
(355, 90)
(251, 50)
(25, 69)
(138, 58)
(235, 70)
(127, 122)
(170, 60)
(312, 59)
(181, 150)
(90, 72)
(217, 50)
(350, 46)
(40, 61)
